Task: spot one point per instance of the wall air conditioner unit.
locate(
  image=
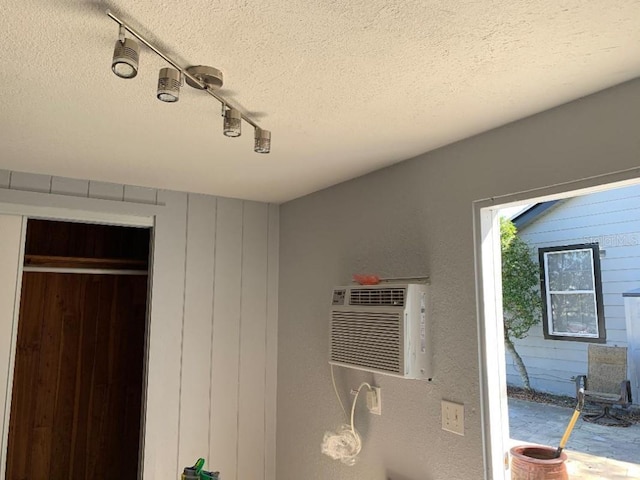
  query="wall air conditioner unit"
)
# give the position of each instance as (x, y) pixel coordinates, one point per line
(381, 328)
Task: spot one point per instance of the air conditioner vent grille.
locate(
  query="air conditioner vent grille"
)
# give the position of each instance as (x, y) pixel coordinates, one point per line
(394, 297)
(368, 340)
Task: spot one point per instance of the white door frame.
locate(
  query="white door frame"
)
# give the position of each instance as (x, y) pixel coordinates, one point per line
(8, 324)
(78, 209)
(75, 209)
(493, 395)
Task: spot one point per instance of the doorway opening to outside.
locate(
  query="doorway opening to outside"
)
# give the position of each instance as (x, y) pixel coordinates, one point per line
(584, 242)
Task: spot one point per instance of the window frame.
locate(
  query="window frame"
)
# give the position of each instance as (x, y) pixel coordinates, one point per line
(547, 328)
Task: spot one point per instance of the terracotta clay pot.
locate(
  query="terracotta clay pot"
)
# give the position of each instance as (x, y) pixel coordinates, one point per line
(532, 462)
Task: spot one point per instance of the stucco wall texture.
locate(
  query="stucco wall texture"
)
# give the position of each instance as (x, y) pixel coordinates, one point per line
(415, 218)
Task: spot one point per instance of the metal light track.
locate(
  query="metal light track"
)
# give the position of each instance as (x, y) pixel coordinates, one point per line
(182, 70)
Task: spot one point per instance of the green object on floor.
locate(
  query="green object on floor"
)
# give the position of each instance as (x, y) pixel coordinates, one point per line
(197, 472)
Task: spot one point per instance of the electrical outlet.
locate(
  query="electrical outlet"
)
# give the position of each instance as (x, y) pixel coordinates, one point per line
(453, 417)
(374, 401)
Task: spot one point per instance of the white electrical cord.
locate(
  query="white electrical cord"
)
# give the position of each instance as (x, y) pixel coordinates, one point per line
(335, 389)
(344, 444)
(353, 406)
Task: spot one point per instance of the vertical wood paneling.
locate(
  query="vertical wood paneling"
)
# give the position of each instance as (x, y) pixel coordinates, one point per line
(252, 342)
(106, 191)
(29, 349)
(4, 178)
(195, 401)
(226, 337)
(69, 186)
(140, 194)
(76, 399)
(30, 182)
(165, 339)
(63, 422)
(271, 352)
(10, 260)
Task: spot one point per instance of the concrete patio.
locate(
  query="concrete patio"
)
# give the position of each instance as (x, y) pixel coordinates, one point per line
(594, 451)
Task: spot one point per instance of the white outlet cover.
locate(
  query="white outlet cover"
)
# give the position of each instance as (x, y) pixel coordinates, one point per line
(375, 407)
(453, 417)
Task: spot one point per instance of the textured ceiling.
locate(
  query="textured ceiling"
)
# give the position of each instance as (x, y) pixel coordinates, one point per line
(345, 87)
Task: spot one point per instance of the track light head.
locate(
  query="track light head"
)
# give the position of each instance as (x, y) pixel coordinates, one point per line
(232, 123)
(125, 58)
(263, 141)
(169, 81)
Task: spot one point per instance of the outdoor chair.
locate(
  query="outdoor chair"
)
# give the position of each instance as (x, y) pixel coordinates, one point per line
(606, 383)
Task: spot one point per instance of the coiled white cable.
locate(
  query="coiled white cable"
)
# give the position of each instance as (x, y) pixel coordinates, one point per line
(344, 444)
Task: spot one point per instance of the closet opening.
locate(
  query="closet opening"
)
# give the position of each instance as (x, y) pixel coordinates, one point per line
(77, 399)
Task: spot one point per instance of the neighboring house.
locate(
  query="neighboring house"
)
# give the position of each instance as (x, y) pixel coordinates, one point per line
(589, 253)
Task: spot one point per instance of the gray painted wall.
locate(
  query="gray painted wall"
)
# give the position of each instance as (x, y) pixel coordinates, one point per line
(411, 219)
(612, 219)
(213, 328)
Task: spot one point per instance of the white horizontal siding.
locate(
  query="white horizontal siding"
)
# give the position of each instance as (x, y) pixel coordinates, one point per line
(614, 311)
(611, 233)
(611, 263)
(556, 382)
(613, 300)
(573, 359)
(617, 337)
(615, 323)
(612, 199)
(611, 218)
(620, 276)
(211, 384)
(618, 288)
(581, 215)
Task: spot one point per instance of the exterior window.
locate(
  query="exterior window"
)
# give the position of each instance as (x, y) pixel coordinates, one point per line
(572, 293)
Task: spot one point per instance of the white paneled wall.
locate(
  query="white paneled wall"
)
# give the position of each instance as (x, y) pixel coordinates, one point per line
(11, 239)
(253, 308)
(197, 329)
(211, 381)
(226, 335)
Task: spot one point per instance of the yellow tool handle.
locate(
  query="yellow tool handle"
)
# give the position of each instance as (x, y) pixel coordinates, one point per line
(567, 432)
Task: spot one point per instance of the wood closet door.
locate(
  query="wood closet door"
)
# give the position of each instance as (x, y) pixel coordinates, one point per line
(77, 389)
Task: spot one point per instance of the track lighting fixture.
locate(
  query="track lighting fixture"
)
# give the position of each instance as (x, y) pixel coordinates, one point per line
(201, 77)
(232, 123)
(125, 58)
(169, 81)
(263, 141)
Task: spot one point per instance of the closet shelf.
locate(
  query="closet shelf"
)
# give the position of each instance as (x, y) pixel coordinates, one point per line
(81, 262)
